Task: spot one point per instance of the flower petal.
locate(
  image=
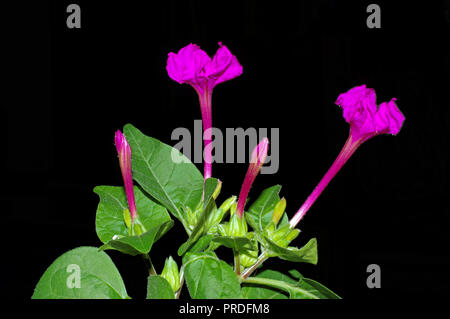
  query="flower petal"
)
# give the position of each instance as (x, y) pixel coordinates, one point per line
(187, 66)
(389, 118)
(224, 65)
(357, 101)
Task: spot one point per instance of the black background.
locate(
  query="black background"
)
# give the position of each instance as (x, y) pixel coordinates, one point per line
(69, 90)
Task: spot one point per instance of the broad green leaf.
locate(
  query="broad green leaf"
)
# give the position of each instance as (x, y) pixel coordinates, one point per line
(136, 245)
(174, 184)
(109, 220)
(159, 288)
(306, 254)
(260, 212)
(209, 207)
(97, 274)
(208, 277)
(255, 291)
(235, 243)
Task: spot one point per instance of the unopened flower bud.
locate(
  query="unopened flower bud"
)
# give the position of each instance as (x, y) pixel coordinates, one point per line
(293, 234)
(226, 205)
(217, 190)
(171, 274)
(285, 241)
(216, 217)
(249, 257)
(137, 228)
(127, 218)
(278, 211)
(280, 233)
(258, 157)
(237, 226)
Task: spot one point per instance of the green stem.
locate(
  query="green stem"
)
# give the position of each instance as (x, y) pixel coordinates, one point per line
(247, 272)
(148, 261)
(177, 294)
(237, 263)
(278, 285)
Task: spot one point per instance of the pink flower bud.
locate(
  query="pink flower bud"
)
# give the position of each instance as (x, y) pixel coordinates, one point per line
(124, 151)
(258, 157)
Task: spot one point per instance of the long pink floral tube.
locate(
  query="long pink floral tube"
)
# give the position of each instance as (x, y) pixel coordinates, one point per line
(124, 151)
(258, 157)
(346, 152)
(366, 121)
(205, 98)
(193, 66)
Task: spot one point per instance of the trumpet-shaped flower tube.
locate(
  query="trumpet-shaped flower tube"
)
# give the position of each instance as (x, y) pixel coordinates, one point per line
(258, 157)
(366, 121)
(124, 151)
(193, 66)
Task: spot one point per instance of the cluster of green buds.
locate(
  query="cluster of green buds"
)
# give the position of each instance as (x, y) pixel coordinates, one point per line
(249, 257)
(171, 274)
(215, 217)
(237, 227)
(283, 235)
(193, 216)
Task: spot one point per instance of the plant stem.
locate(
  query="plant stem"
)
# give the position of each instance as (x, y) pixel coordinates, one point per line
(258, 262)
(178, 293)
(237, 263)
(148, 261)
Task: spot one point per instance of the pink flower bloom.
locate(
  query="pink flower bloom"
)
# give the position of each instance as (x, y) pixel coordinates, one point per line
(124, 151)
(365, 118)
(366, 121)
(258, 157)
(193, 66)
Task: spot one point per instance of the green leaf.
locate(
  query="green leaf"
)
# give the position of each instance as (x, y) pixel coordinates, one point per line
(98, 277)
(235, 243)
(255, 291)
(174, 185)
(260, 212)
(201, 244)
(306, 254)
(159, 288)
(136, 245)
(207, 277)
(275, 285)
(317, 289)
(109, 220)
(210, 186)
(209, 207)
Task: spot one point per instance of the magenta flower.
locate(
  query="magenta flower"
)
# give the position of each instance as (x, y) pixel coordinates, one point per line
(124, 151)
(193, 66)
(366, 121)
(258, 157)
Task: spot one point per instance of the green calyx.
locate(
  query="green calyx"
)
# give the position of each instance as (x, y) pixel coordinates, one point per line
(283, 235)
(171, 274)
(278, 211)
(250, 256)
(216, 217)
(135, 228)
(236, 227)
